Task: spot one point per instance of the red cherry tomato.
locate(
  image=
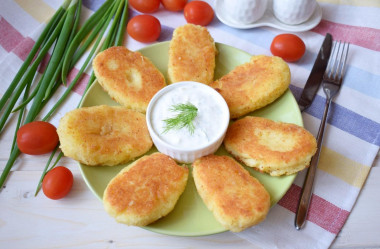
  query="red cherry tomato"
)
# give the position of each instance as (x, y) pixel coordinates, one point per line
(174, 5)
(144, 28)
(198, 12)
(145, 6)
(57, 183)
(37, 138)
(288, 46)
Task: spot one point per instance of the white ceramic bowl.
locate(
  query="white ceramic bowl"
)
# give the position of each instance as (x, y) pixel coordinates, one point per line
(212, 109)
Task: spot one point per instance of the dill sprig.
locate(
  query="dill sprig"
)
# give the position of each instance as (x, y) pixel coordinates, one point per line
(186, 114)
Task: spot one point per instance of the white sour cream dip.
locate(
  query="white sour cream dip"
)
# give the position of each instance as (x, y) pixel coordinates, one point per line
(210, 123)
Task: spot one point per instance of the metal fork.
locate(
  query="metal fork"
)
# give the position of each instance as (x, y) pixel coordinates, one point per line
(332, 80)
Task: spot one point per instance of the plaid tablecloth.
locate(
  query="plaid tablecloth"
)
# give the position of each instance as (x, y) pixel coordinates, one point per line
(352, 135)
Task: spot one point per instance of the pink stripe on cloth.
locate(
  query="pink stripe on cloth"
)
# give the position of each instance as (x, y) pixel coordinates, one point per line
(9, 36)
(361, 36)
(82, 82)
(321, 212)
(12, 40)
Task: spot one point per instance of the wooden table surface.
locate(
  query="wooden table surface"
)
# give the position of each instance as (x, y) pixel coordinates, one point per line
(79, 221)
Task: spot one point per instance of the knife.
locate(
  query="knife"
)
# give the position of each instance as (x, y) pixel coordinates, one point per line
(316, 75)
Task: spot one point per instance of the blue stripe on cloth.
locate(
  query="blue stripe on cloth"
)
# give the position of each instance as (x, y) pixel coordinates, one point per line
(258, 36)
(92, 4)
(362, 81)
(166, 33)
(343, 118)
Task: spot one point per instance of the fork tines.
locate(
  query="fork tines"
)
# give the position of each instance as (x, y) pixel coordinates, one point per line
(337, 63)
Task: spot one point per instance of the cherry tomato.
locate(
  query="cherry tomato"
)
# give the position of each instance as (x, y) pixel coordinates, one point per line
(144, 28)
(174, 5)
(198, 12)
(57, 183)
(145, 6)
(288, 46)
(37, 138)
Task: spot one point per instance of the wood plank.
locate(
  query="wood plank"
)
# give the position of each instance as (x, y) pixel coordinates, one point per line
(78, 221)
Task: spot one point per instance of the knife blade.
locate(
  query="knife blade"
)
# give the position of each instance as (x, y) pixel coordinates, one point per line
(316, 74)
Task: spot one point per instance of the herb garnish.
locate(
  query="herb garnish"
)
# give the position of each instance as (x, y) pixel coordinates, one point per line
(186, 114)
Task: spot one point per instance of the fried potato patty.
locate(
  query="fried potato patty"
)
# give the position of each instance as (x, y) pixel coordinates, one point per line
(146, 190)
(272, 147)
(128, 77)
(254, 84)
(237, 199)
(192, 54)
(104, 135)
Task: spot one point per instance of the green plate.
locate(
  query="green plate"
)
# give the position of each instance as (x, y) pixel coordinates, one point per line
(190, 216)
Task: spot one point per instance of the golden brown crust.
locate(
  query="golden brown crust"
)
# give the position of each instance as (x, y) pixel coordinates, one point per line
(237, 199)
(272, 147)
(104, 135)
(130, 78)
(191, 55)
(254, 84)
(146, 190)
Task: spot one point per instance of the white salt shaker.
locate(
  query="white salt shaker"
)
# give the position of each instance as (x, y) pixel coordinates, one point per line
(293, 11)
(244, 11)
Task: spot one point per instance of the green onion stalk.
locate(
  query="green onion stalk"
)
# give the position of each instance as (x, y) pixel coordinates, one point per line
(70, 43)
(115, 37)
(29, 75)
(43, 37)
(26, 74)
